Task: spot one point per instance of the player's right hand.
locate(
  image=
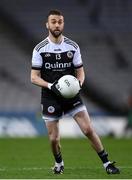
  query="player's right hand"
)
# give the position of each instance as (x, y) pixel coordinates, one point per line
(54, 89)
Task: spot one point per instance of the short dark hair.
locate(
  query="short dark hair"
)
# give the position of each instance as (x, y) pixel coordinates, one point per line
(55, 12)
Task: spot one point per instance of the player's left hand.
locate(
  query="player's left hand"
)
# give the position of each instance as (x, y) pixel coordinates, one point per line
(80, 84)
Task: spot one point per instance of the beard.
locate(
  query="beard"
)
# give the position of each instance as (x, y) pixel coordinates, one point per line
(55, 33)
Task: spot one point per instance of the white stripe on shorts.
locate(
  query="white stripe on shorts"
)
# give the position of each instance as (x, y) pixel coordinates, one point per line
(47, 118)
(76, 110)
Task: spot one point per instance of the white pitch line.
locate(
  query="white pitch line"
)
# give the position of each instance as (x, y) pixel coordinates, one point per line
(23, 169)
(43, 168)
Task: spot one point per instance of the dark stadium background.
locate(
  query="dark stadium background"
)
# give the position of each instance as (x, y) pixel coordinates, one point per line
(103, 29)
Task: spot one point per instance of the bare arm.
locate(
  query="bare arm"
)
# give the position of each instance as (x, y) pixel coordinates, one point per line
(37, 80)
(80, 75)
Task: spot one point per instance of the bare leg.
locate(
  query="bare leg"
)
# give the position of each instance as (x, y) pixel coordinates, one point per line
(54, 137)
(83, 120)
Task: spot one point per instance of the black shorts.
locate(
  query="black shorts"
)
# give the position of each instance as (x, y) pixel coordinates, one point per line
(53, 108)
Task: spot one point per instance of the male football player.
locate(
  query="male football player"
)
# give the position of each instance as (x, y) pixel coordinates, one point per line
(52, 58)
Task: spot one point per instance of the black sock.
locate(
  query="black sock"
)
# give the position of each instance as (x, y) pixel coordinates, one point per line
(58, 157)
(103, 156)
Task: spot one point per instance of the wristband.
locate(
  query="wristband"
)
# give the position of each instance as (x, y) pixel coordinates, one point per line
(49, 85)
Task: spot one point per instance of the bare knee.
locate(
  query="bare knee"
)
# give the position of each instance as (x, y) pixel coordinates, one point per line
(54, 139)
(88, 131)
(83, 120)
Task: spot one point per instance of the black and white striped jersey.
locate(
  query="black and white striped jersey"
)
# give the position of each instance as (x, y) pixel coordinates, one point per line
(55, 60)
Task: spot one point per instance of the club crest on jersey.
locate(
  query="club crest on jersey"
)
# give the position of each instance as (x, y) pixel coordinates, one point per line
(69, 54)
(47, 55)
(51, 109)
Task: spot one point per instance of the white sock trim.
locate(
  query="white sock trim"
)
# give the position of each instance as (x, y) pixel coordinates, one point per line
(106, 164)
(59, 164)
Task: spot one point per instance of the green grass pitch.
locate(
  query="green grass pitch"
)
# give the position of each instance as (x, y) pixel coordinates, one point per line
(31, 158)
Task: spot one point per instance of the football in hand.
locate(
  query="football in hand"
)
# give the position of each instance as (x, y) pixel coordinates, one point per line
(68, 86)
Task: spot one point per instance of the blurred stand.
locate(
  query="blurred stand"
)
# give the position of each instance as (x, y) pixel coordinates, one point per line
(103, 29)
(128, 128)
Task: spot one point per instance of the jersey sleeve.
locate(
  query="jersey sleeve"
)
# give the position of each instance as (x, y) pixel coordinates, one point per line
(77, 60)
(36, 60)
